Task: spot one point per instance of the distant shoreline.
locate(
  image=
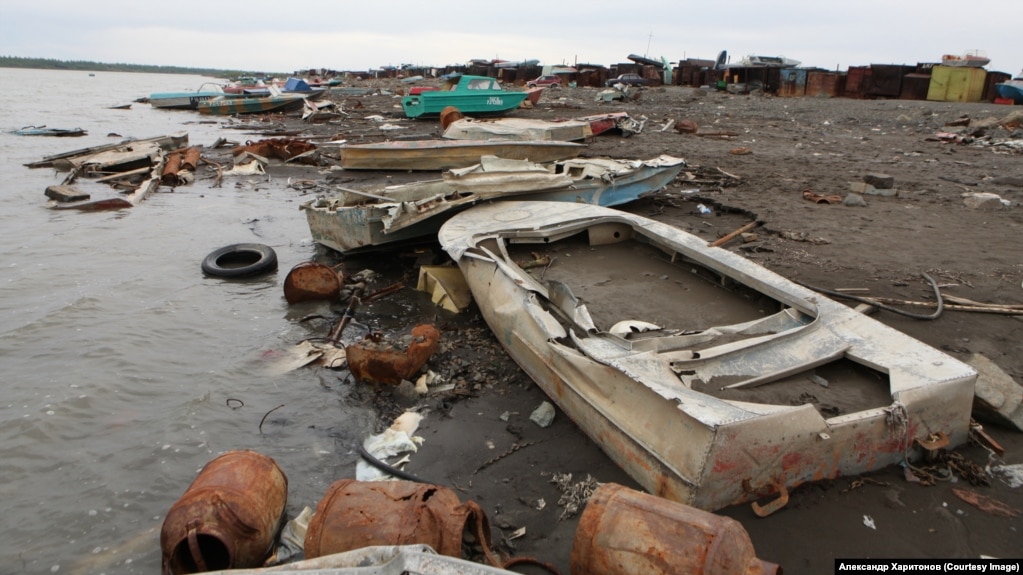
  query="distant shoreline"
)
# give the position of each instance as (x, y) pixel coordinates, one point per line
(88, 66)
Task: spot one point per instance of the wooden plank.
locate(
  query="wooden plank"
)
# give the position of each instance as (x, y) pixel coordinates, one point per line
(62, 193)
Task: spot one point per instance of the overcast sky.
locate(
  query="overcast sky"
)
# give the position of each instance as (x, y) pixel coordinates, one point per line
(287, 35)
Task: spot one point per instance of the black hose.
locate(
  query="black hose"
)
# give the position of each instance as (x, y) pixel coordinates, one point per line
(867, 300)
(388, 469)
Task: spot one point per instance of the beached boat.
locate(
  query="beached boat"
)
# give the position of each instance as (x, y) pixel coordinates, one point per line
(44, 131)
(708, 378)
(361, 220)
(1011, 89)
(290, 86)
(969, 59)
(186, 100)
(472, 95)
(441, 155)
(621, 121)
(571, 130)
(757, 61)
(227, 105)
(521, 129)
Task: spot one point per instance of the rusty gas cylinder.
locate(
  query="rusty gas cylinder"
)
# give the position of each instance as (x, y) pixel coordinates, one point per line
(229, 517)
(355, 514)
(627, 531)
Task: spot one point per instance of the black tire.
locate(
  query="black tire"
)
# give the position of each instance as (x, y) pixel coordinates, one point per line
(240, 260)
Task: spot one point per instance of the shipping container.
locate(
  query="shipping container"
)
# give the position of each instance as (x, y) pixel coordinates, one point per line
(915, 86)
(823, 82)
(886, 80)
(792, 82)
(956, 84)
(856, 81)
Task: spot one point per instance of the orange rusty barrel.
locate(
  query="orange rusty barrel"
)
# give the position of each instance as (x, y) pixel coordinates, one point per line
(312, 281)
(374, 361)
(627, 531)
(229, 517)
(355, 514)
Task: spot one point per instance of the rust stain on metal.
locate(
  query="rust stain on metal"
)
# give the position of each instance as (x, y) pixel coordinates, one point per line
(373, 360)
(228, 518)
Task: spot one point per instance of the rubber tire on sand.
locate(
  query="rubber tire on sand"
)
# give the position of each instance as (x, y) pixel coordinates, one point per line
(240, 260)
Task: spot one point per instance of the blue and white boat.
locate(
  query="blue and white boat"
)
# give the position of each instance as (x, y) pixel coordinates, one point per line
(186, 100)
(1011, 89)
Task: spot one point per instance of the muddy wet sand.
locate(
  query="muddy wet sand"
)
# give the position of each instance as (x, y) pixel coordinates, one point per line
(753, 157)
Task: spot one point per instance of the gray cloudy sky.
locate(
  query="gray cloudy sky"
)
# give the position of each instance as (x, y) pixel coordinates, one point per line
(286, 35)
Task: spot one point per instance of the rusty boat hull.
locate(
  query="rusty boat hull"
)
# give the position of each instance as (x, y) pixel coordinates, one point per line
(709, 379)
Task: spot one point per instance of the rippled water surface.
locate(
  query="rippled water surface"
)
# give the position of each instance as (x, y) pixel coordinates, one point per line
(119, 357)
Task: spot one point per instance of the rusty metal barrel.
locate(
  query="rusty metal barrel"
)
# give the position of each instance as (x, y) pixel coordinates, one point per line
(355, 514)
(627, 531)
(228, 518)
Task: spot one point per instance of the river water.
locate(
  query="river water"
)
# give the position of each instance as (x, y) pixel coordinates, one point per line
(125, 370)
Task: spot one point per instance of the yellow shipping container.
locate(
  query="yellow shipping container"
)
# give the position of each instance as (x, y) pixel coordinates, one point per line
(956, 84)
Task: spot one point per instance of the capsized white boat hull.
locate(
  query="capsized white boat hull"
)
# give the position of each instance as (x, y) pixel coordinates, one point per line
(692, 412)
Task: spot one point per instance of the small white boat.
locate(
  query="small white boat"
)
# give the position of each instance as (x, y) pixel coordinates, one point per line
(1011, 89)
(708, 378)
(969, 59)
(755, 61)
(186, 100)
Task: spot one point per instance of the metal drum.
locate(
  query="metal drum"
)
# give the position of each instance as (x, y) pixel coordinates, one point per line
(229, 517)
(356, 514)
(627, 531)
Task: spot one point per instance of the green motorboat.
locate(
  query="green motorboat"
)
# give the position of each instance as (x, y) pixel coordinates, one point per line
(472, 95)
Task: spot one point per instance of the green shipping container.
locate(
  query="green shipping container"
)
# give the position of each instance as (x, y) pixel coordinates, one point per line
(956, 84)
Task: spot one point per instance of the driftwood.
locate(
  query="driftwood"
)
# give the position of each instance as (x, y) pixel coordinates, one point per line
(729, 237)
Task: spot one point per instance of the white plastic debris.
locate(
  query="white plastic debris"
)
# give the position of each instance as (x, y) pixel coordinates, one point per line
(398, 438)
(869, 522)
(543, 415)
(625, 327)
(1013, 474)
